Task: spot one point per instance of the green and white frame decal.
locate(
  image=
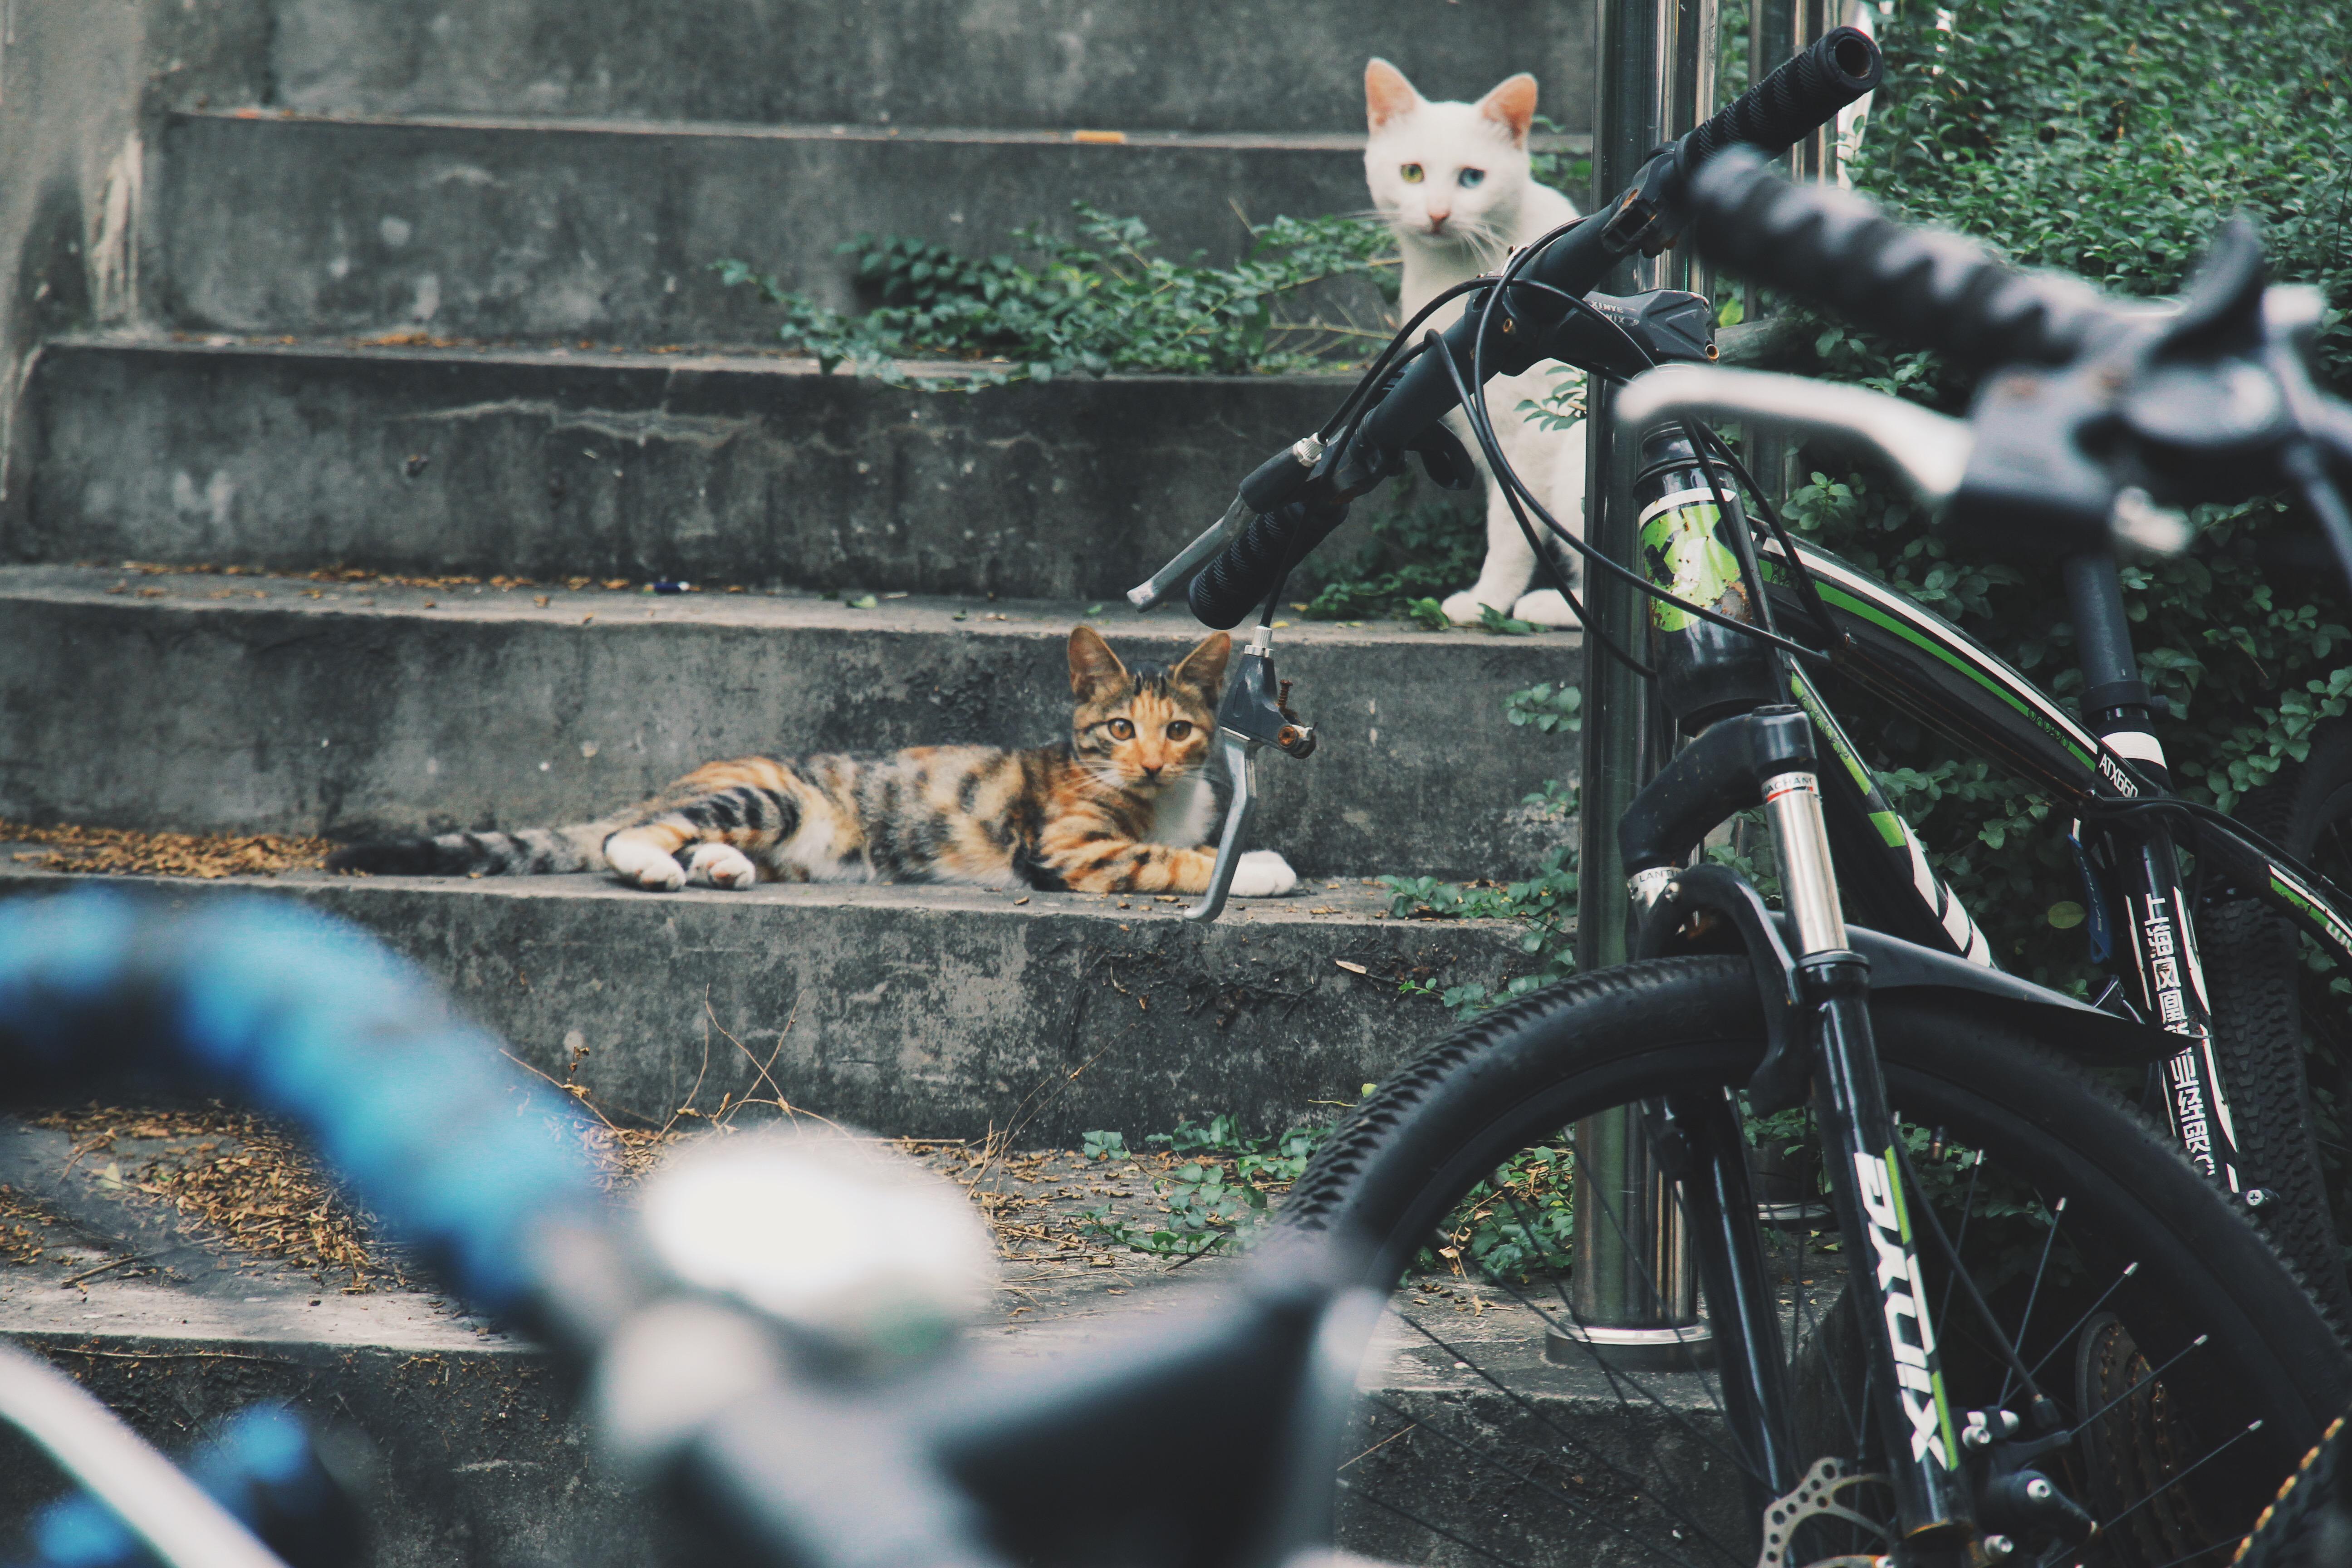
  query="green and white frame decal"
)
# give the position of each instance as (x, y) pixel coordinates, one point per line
(1949, 913)
(2317, 911)
(1849, 591)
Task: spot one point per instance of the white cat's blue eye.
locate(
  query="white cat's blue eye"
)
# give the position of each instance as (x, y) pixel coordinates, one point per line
(1471, 176)
(1413, 174)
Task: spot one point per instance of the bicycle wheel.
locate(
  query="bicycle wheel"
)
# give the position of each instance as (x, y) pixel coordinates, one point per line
(2191, 1366)
(2264, 999)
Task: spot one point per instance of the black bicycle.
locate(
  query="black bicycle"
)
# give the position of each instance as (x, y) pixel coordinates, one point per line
(2040, 1337)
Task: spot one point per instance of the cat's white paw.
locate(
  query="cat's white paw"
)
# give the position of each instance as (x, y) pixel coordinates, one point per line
(1464, 609)
(1544, 607)
(1263, 874)
(722, 866)
(635, 861)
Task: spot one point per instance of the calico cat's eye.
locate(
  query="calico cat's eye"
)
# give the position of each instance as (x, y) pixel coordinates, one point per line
(1121, 730)
(1180, 728)
(1413, 174)
(1471, 176)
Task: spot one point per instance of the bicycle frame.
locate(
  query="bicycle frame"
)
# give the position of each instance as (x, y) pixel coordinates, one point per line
(1755, 745)
(1944, 679)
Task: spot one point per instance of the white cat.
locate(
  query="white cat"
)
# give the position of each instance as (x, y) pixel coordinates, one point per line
(1451, 180)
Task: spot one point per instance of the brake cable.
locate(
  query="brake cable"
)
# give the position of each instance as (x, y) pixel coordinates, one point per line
(1509, 480)
(1381, 365)
(1476, 411)
(1482, 427)
(1471, 398)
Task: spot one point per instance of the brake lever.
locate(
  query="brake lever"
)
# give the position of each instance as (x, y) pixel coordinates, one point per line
(1269, 487)
(1256, 713)
(1213, 538)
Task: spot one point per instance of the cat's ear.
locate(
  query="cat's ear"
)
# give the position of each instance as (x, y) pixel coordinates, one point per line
(1512, 106)
(1203, 668)
(1387, 94)
(1094, 668)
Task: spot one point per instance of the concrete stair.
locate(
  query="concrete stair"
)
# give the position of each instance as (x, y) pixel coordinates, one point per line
(704, 467)
(921, 1012)
(474, 1454)
(369, 242)
(564, 230)
(211, 702)
(1206, 66)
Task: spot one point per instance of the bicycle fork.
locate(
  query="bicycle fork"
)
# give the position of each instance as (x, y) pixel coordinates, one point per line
(1822, 1039)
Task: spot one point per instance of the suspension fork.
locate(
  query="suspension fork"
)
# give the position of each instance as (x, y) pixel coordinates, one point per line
(1768, 755)
(1858, 1133)
(1752, 746)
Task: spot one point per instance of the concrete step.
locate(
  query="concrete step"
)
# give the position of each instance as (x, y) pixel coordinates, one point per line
(1208, 64)
(929, 1012)
(745, 469)
(203, 703)
(560, 230)
(479, 1457)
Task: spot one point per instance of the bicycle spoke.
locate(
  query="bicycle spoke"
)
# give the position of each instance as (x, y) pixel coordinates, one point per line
(1853, 1418)
(1968, 1212)
(2088, 1314)
(1598, 1459)
(1960, 1276)
(2192, 1556)
(1737, 1461)
(1654, 1294)
(2210, 1454)
(1577, 1504)
(1649, 1280)
(2080, 1426)
(2057, 1217)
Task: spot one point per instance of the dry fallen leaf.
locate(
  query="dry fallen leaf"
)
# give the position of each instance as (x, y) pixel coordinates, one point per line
(116, 851)
(1351, 968)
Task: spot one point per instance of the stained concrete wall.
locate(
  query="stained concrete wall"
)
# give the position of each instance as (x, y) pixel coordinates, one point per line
(84, 87)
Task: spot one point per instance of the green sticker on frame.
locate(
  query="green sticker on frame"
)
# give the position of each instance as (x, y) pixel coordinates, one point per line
(1683, 556)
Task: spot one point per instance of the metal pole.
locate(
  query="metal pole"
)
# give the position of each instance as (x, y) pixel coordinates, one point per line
(1631, 1287)
(1771, 39)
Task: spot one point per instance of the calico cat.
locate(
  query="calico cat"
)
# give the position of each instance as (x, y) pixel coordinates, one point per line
(1452, 182)
(1118, 807)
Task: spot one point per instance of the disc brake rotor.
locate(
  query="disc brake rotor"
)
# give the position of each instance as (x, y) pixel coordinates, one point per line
(1824, 1493)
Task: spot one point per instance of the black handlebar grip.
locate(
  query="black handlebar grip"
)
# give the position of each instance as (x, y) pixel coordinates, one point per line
(1928, 287)
(1274, 482)
(1245, 571)
(1806, 91)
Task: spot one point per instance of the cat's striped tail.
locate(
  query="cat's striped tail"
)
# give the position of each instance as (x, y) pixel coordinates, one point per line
(534, 851)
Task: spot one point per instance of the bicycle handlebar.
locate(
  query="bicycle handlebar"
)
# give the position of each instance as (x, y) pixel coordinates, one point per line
(726, 1409)
(307, 1018)
(1928, 287)
(1805, 91)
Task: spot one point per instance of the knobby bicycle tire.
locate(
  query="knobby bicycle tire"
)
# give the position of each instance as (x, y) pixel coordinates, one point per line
(2252, 960)
(2310, 1523)
(1539, 1485)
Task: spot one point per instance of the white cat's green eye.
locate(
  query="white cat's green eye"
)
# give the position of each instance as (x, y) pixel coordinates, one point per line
(1121, 730)
(1471, 176)
(1413, 174)
(1180, 728)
